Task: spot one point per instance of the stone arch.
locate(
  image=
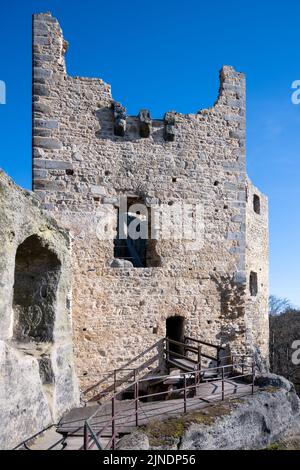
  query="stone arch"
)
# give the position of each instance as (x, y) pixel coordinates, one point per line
(37, 273)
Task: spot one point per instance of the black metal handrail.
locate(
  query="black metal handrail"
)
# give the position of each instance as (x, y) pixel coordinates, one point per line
(61, 440)
(110, 375)
(204, 343)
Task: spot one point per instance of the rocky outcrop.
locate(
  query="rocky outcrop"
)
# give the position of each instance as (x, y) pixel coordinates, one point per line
(37, 376)
(248, 423)
(24, 409)
(136, 440)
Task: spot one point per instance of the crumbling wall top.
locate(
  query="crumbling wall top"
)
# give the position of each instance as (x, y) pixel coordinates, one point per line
(50, 49)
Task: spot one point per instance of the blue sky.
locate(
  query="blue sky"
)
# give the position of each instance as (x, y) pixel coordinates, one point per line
(166, 55)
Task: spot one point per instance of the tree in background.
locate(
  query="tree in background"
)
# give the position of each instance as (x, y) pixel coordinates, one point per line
(278, 306)
(284, 331)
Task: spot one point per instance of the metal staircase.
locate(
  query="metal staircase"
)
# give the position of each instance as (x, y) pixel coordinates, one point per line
(188, 386)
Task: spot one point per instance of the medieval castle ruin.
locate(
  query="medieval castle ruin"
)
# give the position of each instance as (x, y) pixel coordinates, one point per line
(68, 274)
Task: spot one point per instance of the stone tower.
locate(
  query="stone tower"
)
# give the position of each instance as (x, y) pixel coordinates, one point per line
(88, 155)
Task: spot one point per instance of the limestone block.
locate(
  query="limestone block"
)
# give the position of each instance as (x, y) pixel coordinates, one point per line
(120, 263)
(41, 90)
(47, 143)
(51, 124)
(42, 73)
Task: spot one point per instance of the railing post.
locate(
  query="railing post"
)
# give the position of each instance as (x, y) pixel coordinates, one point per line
(199, 365)
(253, 378)
(167, 349)
(184, 397)
(199, 356)
(223, 385)
(115, 379)
(136, 402)
(218, 356)
(113, 424)
(85, 436)
(243, 365)
(231, 359)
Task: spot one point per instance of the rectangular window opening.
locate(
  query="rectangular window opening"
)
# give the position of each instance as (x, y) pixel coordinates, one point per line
(133, 242)
(256, 204)
(253, 284)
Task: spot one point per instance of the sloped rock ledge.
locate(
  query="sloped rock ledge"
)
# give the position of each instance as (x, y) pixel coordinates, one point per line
(248, 423)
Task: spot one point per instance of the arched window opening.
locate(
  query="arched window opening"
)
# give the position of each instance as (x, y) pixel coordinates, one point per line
(37, 272)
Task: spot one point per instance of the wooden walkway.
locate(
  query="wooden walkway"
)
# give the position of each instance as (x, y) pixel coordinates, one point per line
(72, 423)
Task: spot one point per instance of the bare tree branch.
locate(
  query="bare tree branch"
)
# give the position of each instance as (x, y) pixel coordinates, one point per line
(278, 306)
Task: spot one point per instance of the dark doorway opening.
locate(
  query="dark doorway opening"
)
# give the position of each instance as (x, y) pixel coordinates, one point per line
(175, 331)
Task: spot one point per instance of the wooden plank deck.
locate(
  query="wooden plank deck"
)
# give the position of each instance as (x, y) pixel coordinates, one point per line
(73, 422)
(208, 392)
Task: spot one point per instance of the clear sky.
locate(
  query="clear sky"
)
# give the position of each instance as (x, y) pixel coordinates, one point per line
(164, 55)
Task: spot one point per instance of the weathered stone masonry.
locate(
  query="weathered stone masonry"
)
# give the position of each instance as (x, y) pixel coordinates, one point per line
(87, 153)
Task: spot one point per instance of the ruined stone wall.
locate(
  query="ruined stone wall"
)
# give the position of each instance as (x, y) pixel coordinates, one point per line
(84, 159)
(257, 266)
(38, 382)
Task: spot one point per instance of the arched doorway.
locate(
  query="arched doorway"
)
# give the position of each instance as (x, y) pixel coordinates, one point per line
(175, 327)
(37, 272)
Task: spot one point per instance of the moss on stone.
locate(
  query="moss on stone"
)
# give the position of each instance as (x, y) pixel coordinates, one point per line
(163, 432)
(270, 389)
(274, 446)
(291, 442)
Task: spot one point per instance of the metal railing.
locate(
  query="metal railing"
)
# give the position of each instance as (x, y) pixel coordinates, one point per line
(191, 382)
(108, 384)
(224, 374)
(24, 445)
(133, 373)
(201, 343)
(164, 345)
